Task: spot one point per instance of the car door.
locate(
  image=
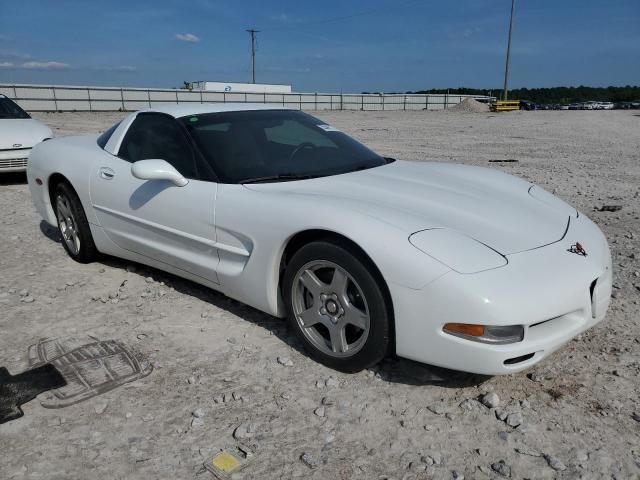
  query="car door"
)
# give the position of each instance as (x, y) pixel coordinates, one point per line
(155, 218)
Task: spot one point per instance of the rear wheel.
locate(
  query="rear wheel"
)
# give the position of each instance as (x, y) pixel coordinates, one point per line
(337, 307)
(73, 225)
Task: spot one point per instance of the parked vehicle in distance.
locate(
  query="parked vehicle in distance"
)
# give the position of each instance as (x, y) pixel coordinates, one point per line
(564, 107)
(527, 105)
(453, 265)
(575, 106)
(605, 106)
(18, 134)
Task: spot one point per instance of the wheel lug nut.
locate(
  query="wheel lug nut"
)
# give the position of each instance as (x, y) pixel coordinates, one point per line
(323, 310)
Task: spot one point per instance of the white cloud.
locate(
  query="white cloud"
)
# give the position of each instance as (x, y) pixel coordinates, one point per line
(6, 65)
(119, 68)
(281, 17)
(45, 65)
(12, 56)
(187, 37)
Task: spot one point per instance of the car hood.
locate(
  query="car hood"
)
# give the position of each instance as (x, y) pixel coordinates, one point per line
(25, 132)
(485, 204)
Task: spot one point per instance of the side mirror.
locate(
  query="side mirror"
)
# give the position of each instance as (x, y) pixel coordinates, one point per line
(157, 169)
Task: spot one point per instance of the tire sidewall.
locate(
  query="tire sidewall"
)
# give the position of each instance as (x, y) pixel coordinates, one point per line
(87, 251)
(377, 342)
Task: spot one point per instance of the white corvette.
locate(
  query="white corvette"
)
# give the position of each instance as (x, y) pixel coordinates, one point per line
(18, 134)
(457, 266)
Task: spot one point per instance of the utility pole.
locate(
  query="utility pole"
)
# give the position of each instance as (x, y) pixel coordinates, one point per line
(506, 67)
(253, 32)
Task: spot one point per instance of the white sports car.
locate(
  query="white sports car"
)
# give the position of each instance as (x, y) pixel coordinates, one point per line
(452, 265)
(18, 134)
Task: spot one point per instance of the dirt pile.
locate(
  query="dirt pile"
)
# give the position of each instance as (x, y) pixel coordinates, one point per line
(470, 105)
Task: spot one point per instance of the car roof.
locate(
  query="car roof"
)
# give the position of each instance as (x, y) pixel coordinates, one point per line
(185, 109)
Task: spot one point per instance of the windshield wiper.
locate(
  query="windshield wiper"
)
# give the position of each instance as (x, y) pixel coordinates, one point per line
(282, 177)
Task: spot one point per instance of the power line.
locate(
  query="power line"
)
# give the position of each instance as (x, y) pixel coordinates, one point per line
(253, 32)
(506, 65)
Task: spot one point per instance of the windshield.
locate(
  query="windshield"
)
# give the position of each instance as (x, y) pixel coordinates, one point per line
(9, 109)
(275, 145)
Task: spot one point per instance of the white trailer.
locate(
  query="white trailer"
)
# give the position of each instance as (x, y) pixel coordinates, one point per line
(241, 87)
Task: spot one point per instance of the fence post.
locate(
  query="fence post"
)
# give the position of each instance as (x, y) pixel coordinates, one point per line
(122, 99)
(362, 102)
(446, 100)
(149, 97)
(341, 99)
(201, 96)
(330, 102)
(224, 97)
(55, 99)
(264, 98)
(245, 97)
(177, 96)
(316, 101)
(382, 102)
(89, 97)
(405, 103)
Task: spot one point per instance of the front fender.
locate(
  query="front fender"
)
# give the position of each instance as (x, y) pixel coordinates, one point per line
(254, 227)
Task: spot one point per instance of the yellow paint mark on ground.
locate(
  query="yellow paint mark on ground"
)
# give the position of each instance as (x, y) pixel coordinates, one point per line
(225, 461)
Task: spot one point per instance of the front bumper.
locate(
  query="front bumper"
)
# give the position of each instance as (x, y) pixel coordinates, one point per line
(554, 293)
(14, 160)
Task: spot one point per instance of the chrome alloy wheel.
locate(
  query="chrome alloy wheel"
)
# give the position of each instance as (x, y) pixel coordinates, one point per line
(67, 224)
(330, 308)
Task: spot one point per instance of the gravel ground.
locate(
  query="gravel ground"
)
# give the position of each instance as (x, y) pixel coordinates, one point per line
(224, 372)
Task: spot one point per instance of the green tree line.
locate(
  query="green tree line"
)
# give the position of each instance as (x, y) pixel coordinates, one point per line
(552, 95)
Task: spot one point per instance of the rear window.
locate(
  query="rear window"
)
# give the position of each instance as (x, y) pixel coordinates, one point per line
(104, 138)
(10, 109)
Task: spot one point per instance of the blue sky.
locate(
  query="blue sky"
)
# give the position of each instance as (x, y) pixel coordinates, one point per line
(329, 45)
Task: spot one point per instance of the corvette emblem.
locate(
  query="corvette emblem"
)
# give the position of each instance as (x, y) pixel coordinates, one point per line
(17, 145)
(578, 249)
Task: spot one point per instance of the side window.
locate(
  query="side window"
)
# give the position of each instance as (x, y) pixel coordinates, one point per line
(294, 133)
(104, 138)
(158, 136)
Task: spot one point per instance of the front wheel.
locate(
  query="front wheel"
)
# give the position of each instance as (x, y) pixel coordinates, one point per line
(337, 307)
(73, 225)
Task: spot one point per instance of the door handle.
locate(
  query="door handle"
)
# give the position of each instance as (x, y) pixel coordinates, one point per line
(107, 173)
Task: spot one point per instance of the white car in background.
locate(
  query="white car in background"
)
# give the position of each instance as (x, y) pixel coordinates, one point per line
(605, 106)
(19, 133)
(458, 266)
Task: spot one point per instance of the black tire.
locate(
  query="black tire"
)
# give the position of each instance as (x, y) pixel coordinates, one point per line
(375, 347)
(87, 251)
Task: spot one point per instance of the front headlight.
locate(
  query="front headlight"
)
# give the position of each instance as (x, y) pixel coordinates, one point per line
(457, 251)
(493, 334)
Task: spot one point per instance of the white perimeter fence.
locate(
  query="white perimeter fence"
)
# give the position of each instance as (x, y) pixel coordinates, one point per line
(64, 98)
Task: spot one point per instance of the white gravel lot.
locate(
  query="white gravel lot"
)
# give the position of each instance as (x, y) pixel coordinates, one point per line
(579, 411)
